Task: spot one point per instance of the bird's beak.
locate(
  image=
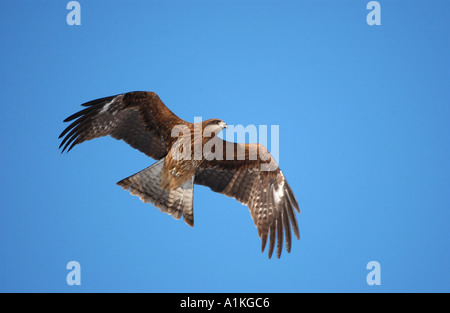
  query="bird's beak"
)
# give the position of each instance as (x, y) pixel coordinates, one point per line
(223, 125)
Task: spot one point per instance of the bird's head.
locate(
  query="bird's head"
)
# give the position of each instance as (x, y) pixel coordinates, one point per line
(214, 125)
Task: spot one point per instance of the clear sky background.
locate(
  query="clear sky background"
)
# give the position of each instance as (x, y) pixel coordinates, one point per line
(364, 125)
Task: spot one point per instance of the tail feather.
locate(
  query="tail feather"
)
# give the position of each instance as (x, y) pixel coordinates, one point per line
(147, 185)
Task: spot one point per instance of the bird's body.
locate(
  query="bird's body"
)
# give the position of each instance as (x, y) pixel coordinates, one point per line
(182, 161)
(246, 172)
(176, 172)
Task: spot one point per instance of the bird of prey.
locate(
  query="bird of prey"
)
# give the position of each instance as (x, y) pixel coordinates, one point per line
(143, 121)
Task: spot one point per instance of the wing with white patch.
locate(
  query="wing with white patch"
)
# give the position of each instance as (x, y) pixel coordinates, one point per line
(139, 118)
(268, 195)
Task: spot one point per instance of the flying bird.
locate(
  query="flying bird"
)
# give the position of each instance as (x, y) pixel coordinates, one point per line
(246, 172)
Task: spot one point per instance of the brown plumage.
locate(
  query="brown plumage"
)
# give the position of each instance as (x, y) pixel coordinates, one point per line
(246, 172)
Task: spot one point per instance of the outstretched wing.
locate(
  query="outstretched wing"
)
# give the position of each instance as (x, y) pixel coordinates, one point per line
(250, 175)
(139, 118)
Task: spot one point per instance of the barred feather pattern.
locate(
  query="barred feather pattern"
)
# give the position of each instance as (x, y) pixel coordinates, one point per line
(120, 118)
(147, 185)
(268, 196)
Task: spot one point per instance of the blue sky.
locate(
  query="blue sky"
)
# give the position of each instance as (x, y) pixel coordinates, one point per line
(363, 113)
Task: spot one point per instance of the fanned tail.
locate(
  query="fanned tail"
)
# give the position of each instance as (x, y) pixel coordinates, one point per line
(147, 185)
